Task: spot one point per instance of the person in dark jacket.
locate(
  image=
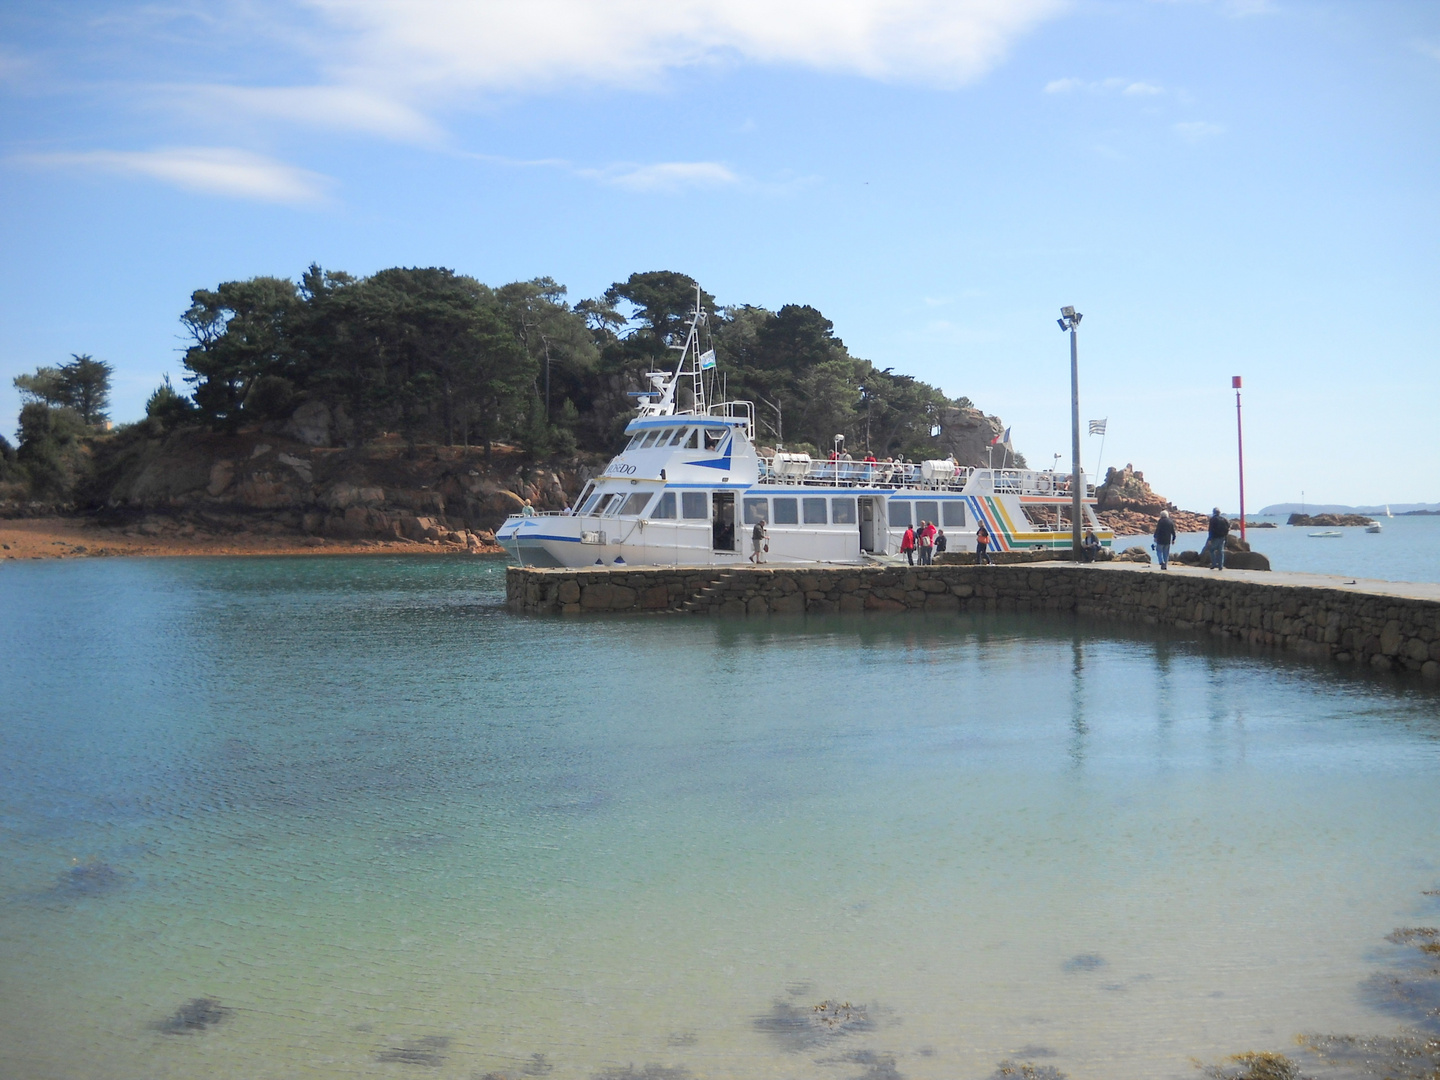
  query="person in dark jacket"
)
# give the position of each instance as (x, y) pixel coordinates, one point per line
(1164, 537)
(1219, 530)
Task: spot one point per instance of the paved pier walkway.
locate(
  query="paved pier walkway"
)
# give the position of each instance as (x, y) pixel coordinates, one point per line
(1408, 590)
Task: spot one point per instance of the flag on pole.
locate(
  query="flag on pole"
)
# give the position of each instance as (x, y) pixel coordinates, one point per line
(1003, 439)
(707, 359)
(1097, 427)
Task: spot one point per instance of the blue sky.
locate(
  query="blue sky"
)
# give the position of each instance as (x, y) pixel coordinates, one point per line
(1221, 188)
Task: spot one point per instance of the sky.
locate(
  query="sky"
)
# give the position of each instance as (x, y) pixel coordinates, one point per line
(1226, 187)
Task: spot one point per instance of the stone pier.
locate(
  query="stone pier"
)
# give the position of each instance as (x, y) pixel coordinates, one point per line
(1383, 625)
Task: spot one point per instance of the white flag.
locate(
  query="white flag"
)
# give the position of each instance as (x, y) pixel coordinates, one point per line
(1097, 427)
(707, 359)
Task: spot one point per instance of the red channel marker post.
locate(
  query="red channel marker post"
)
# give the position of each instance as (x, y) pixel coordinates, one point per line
(1240, 442)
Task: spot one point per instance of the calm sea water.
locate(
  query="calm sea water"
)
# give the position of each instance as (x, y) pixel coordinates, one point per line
(347, 818)
(1407, 550)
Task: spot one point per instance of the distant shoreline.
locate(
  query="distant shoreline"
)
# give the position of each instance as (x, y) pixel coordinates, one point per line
(70, 538)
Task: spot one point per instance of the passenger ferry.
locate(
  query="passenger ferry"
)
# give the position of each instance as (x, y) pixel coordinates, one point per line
(689, 487)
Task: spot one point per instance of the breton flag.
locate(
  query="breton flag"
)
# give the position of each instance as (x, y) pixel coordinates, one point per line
(1097, 427)
(1002, 439)
(707, 359)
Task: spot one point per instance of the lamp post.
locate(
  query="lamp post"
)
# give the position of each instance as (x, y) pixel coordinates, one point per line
(1070, 320)
(1240, 446)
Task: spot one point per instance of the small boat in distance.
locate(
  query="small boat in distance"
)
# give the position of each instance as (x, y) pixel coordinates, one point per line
(1328, 534)
(1373, 527)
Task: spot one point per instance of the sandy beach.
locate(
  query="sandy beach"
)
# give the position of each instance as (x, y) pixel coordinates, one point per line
(66, 538)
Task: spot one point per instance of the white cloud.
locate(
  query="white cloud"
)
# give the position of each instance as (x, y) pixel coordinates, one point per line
(1195, 130)
(450, 46)
(665, 177)
(214, 171)
(1429, 48)
(1103, 86)
(347, 108)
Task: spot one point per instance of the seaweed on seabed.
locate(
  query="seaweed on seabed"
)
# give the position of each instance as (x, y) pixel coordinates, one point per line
(1414, 992)
(1399, 1057)
(1023, 1070)
(87, 879)
(800, 1027)
(195, 1016)
(649, 1072)
(878, 1066)
(428, 1050)
(1264, 1065)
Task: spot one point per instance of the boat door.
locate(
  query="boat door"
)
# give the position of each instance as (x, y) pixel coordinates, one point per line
(868, 511)
(722, 520)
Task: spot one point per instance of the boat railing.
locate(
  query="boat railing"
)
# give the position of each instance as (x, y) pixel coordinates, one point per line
(736, 410)
(785, 468)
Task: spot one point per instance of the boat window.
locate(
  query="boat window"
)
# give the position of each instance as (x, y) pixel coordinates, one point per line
(635, 504)
(618, 500)
(693, 442)
(954, 513)
(665, 508)
(585, 494)
(756, 510)
(814, 511)
(649, 440)
(664, 437)
(713, 435)
(899, 515)
(590, 503)
(842, 511)
(635, 441)
(679, 437)
(787, 512)
(928, 511)
(693, 505)
(599, 507)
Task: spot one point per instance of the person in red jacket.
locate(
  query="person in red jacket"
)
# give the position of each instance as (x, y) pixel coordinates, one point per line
(907, 545)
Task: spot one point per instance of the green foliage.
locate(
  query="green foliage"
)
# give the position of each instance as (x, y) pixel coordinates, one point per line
(438, 356)
(82, 385)
(169, 407)
(50, 449)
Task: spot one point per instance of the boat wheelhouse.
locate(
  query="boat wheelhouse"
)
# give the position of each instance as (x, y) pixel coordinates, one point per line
(690, 485)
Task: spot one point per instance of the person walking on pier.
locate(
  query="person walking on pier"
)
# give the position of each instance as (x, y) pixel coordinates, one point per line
(1164, 537)
(1219, 530)
(982, 546)
(907, 545)
(760, 541)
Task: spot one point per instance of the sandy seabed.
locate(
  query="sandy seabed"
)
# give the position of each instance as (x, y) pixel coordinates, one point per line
(62, 538)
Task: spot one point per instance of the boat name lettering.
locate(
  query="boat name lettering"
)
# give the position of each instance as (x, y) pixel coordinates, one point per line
(620, 468)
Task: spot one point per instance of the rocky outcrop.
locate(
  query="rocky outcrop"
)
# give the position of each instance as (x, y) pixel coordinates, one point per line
(968, 434)
(1126, 503)
(261, 479)
(1330, 521)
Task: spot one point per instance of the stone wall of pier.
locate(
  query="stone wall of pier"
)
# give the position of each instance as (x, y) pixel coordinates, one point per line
(1381, 631)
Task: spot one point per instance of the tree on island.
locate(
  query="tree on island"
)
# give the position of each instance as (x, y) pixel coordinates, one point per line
(82, 385)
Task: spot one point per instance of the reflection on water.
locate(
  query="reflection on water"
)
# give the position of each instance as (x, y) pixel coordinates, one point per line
(348, 818)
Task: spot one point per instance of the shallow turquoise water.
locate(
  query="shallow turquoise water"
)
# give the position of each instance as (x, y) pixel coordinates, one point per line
(396, 831)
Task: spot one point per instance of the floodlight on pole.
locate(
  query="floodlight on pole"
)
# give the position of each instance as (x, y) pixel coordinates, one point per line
(1070, 320)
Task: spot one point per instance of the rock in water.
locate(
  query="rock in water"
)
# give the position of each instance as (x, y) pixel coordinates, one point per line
(195, 1016)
